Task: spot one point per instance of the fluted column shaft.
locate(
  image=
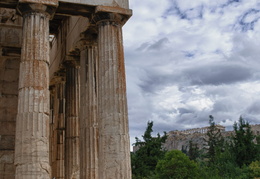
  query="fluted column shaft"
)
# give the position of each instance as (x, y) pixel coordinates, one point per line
(59, 130)
(88, 114)
(114, 148)
(72, 121)
(32, 124)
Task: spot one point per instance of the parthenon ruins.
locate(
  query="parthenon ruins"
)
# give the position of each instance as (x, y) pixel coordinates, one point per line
(63, 107)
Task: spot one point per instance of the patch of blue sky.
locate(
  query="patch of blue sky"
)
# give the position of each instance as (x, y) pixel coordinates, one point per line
(230, 2)
(218, 51)
(248, 20)
(221, 7)
(189, 54)
(187, 14)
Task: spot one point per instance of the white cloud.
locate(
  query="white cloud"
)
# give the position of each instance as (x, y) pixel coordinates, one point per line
(188, 59)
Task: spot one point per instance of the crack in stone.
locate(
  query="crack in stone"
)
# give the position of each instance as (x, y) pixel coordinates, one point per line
(45, 167)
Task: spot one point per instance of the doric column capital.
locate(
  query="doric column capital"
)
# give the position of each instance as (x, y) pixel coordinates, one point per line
(59, 77)
(87, 39)
(111, 15)
(72, 61)
(47, 7)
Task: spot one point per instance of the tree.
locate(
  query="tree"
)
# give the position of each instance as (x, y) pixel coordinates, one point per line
(214, 142)
(193, 152)
(243, 147)
(258, 147)
(176, 165)
(145, 159)
(255, 169)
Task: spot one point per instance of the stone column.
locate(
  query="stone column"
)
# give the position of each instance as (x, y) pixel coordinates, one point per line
(114, 147)
(58, 128)
(72, 120)
(88, 113)
(32, 125)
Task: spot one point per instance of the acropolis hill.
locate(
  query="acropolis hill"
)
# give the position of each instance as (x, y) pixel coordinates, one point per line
(180, 139)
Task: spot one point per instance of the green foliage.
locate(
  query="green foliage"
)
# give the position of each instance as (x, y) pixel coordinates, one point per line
(193, 152)
(214, 142)
(176, 165)
(213, 172)
(255, 169)
(243, 146)
(145, 159)
(223, 160)
(258, 147)
(235, 157)
(229, 158)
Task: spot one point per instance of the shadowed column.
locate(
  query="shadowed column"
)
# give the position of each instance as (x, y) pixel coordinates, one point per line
(72, 120)
(59, 130)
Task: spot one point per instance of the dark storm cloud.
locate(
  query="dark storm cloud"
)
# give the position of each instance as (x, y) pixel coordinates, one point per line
(251, 118)
(143, 46)
(254, 108)
(155, 81)
(185, 111)
(210, 74)
(218, 74)
(224, 105)
(159, 44)
(198, 119)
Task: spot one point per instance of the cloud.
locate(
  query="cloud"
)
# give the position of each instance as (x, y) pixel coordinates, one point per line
(186, 60)
(248, 20)
(217, 74)
(254, 107)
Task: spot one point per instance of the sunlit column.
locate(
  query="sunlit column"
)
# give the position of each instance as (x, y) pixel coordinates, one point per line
(88, 114)
(114, 147)
(32, 124)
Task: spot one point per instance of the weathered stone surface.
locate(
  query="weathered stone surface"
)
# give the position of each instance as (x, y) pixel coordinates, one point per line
(9, 17)
(7, 167)
(10, 35)
(25, 106)
(8, 109)
(13, 63)
(72, 121)
(32, 125)
(7, 142)
(114, 150)
(63, 43)
(88, 113)
(9, 73)
(6, 15)
(114, 3)
(9, 128)
(57, 128)
(45, 2)
(10, 88)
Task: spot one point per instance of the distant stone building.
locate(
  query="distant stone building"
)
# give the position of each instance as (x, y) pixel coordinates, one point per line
(256, 129)
(180, 139)
(63, 107)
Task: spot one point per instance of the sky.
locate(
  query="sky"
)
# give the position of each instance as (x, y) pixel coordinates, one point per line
(188, 59)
